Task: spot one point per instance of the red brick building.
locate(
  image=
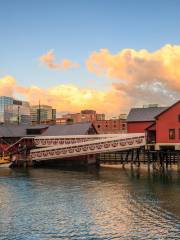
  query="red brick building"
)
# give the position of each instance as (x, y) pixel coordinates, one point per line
(165, 131)
(83, 116)
(161, 125)
(110, 126)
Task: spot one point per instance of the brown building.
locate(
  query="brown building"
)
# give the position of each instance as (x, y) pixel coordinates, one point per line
(83, 116)
(61, 120)
(110, 126)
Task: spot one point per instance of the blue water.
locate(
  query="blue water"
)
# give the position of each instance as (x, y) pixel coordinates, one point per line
(89, 204)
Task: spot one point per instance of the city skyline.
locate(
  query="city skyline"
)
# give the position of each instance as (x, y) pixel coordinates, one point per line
(102, 55)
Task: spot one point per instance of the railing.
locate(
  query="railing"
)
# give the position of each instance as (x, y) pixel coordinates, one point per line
(24, 140)
(48, 141)
(118, 143)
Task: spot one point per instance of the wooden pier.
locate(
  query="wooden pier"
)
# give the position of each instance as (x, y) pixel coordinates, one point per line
(160, 159)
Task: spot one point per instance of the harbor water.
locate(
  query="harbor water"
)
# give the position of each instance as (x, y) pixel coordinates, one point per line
(100, 203)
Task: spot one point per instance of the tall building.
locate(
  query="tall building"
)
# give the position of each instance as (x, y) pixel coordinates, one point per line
(42, 114)
(13, 111)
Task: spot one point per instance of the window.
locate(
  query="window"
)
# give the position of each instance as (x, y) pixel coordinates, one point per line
(179, 117)
(171, 133)
(179, 133)
(123, 126)
(99, 126)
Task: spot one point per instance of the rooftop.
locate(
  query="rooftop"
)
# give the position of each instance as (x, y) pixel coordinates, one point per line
(49, 130)
(68, 129)
(144, 114)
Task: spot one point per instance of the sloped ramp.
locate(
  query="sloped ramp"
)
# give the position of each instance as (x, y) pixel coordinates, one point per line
(93, 146)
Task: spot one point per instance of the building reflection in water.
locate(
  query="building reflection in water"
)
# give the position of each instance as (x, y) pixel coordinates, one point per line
(101, 204)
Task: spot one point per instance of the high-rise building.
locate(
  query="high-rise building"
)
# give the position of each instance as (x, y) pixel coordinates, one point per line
(14, 111)
(42, 114)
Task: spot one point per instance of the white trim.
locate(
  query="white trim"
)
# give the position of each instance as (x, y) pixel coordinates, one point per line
(118, 143)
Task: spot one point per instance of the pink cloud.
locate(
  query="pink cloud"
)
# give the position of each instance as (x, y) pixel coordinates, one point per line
(49, 58)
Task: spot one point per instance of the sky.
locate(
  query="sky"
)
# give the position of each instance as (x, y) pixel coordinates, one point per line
(107, 55)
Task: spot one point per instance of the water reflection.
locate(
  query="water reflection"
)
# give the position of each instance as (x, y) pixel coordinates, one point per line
(99, 204)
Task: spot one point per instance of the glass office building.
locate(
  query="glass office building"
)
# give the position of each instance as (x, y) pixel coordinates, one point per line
(42, 114)
(6, 111)
(14, 111)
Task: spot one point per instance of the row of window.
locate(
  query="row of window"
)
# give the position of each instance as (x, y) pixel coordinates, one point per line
(172, 133)
(100, 126)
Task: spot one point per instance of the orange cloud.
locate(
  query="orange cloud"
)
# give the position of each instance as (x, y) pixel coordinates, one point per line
(71, 98)
(138, 77)
(149, 76)
(49, 58)
(7, 86)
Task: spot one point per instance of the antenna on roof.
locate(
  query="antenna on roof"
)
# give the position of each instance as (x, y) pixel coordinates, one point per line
(39, 113)
(18, 115)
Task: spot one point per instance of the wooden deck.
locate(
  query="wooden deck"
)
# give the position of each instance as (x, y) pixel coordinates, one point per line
(4, 160)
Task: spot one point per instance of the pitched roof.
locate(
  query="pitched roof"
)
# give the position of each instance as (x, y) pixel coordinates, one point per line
(144, 114)
(13, 130)
(54, 130)
(165, 110)
(17, 130)
(69, 129)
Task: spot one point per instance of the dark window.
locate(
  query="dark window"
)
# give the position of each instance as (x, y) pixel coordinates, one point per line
(114, 126)
(179, 117)
(106, 125)
(171, 133)
(179, 133)
(123, 126)
(99, 126)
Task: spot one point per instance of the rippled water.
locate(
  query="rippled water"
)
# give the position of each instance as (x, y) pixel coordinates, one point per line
(96, 204)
